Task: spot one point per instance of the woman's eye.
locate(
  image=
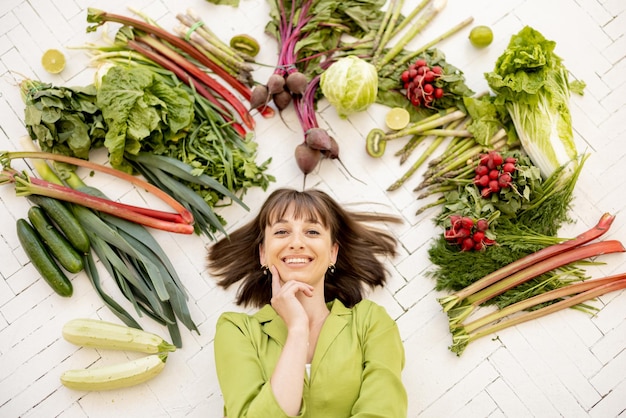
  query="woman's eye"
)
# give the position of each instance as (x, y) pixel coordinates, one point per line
(314, 232)
(280, 232)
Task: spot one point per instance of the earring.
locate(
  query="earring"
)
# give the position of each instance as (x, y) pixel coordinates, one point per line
(265, 270)
(331, 268)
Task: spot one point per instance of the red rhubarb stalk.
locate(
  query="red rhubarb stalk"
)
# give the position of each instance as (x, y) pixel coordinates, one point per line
(559, 293)
(534, 270)
(592, 293)
(186, 216)
(461, 337)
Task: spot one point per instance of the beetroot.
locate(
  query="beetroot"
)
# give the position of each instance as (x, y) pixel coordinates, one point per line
(282, 99)
(275, 83)
(307, 158)
(333, 151)
(259, 96)
(296, 82)
(317, 138)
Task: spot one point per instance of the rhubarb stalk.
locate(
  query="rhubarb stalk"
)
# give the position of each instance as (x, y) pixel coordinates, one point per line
(182, 221)
(460, 313)
(587, 291)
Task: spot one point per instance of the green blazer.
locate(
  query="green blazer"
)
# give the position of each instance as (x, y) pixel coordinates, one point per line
(355, 372)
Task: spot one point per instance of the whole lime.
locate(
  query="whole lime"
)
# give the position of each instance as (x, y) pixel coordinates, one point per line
(481, 36)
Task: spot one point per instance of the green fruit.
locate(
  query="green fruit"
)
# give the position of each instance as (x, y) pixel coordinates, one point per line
(481, 36)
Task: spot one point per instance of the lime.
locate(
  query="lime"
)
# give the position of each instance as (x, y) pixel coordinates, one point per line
(397, 118)
(481, 36)
(53, 61)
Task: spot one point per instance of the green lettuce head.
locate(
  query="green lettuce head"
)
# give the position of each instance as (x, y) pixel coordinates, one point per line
(350, 85)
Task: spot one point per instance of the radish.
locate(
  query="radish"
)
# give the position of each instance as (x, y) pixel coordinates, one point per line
(482, 225)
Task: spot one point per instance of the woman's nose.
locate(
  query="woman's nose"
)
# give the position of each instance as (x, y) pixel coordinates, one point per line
(296, 241)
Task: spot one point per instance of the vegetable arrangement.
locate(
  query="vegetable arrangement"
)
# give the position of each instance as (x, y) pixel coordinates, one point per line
(460, 305)
(129, 253)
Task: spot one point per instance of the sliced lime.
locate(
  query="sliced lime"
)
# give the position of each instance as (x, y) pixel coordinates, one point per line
(53, 61)
(397, 118)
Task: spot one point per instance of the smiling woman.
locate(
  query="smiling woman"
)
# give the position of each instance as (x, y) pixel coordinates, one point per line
(316, 347)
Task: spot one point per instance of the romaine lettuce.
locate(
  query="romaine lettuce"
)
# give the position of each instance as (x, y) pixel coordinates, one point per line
(532, 83)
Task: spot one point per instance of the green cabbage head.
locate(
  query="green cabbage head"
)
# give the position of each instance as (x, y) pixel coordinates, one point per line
(350, 85)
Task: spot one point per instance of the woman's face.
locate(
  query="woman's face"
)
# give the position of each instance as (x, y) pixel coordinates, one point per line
(301, 249)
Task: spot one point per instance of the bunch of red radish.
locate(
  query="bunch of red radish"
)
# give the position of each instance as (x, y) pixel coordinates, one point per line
(494, 173)
(419, 83)
(468, 233)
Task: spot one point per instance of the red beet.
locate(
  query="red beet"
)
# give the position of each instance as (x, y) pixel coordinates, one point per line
(282, 99)
(275, 83)
(296, 82)
(317, 138)
(259, 96)
(307, 158)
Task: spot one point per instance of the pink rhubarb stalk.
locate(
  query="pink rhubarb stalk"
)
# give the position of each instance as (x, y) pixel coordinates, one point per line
(562, 292)
(534, 270)
(185, 215)
(462, 338)
(153, 218)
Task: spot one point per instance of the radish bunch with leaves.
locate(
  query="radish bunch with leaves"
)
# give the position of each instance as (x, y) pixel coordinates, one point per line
(468, 233)
(420, 83)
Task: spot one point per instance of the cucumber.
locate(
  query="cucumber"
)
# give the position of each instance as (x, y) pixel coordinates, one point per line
(65, 220)
(59, 247)
(42, 260)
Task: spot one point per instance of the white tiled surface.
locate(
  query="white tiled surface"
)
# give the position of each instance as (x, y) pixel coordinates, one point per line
(568, 364)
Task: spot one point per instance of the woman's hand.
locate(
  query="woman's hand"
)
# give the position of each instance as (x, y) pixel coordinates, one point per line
(285, 301)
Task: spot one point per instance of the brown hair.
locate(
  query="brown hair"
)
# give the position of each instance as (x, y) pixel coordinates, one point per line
(236, 257)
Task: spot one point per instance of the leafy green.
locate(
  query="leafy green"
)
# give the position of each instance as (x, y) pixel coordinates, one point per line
(141, 112)
(532, 84)
(64, 120)
(350, 84)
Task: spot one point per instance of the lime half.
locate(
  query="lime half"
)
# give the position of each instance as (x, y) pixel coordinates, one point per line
(53, 61)
(397, 118)
(481, 36)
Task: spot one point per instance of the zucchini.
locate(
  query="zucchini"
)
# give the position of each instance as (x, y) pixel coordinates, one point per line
(65, 220)
(59, 247)
(42, 260)
(95, 333)
(115, 376)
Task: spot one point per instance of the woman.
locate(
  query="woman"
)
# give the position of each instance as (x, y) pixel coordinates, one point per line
(316, 348)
